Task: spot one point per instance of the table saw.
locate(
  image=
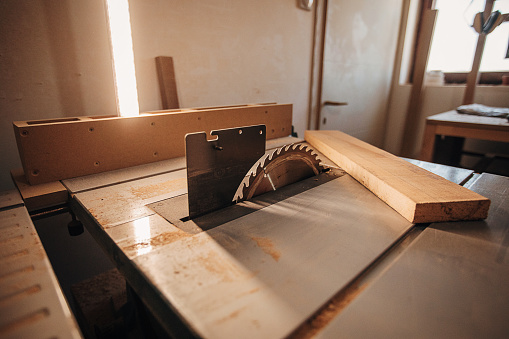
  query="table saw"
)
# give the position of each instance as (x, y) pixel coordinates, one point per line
(309, 254)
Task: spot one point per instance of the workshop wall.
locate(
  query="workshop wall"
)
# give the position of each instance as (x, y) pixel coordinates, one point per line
(54, 62)
(225, 52)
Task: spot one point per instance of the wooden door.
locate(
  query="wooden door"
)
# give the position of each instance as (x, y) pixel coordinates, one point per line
(359, 51)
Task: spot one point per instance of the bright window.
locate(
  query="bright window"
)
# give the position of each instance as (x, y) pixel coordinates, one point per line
(454, 41)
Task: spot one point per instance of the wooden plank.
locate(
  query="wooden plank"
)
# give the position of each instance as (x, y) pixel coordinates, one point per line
(167, 83)
(56, 150)
(421, 60)
(473, 132)
(428, 142)
(39, 196)
(418, 195)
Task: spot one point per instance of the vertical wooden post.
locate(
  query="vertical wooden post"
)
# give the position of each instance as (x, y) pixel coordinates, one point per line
(473, 76)
(421, 61)
(167, 83)
(318, 55)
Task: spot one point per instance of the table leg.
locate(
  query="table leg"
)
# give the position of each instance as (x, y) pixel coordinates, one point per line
(428, 142)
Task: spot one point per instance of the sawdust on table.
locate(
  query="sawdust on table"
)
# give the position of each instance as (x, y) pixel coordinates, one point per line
(232, 315)
(156, 241)
(267, 246)
(154, 190)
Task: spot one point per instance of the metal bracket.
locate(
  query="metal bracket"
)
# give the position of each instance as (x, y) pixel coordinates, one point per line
(215, 168)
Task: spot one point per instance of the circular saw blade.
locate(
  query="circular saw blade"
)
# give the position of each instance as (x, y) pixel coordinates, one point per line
(279, 168)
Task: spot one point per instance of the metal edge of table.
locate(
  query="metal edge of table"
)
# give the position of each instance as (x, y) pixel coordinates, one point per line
(167, 316)
(31, 301)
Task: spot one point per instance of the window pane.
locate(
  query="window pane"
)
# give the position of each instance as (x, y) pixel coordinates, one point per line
(454, 41)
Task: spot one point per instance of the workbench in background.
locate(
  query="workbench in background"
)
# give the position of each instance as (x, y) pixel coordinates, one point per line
(456, 127)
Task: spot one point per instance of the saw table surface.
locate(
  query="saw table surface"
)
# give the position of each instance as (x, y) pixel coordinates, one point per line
(330, 258)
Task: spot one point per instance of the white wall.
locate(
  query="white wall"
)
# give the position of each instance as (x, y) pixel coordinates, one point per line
(225, 52)
(54, 62)
(55, 59)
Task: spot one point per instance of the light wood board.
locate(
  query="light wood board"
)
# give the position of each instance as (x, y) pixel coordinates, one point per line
(52, 150)
(418, 195)
(167, 82)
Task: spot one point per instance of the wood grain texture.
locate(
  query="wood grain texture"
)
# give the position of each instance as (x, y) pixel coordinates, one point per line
(167, 82)
(418, 195)
(59, 149)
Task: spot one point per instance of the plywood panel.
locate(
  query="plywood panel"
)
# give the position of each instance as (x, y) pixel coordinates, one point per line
(420, 196)
(67, 148)
(39, 196)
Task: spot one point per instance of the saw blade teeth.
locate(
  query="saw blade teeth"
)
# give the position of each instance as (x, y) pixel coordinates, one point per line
(266, 159)
(248, 187)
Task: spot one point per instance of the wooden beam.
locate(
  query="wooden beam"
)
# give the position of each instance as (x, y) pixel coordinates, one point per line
(418, 195)
(52, 150)
(319, 31)
(421, 61)
(473, 76)
(167, 82)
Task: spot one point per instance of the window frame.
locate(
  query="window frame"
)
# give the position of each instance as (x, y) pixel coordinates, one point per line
(454, 78)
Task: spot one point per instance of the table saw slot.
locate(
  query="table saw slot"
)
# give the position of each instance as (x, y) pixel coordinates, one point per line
(37, 122)
(175, 209)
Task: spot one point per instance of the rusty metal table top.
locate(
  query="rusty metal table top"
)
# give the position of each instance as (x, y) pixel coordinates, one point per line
(265, 274)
